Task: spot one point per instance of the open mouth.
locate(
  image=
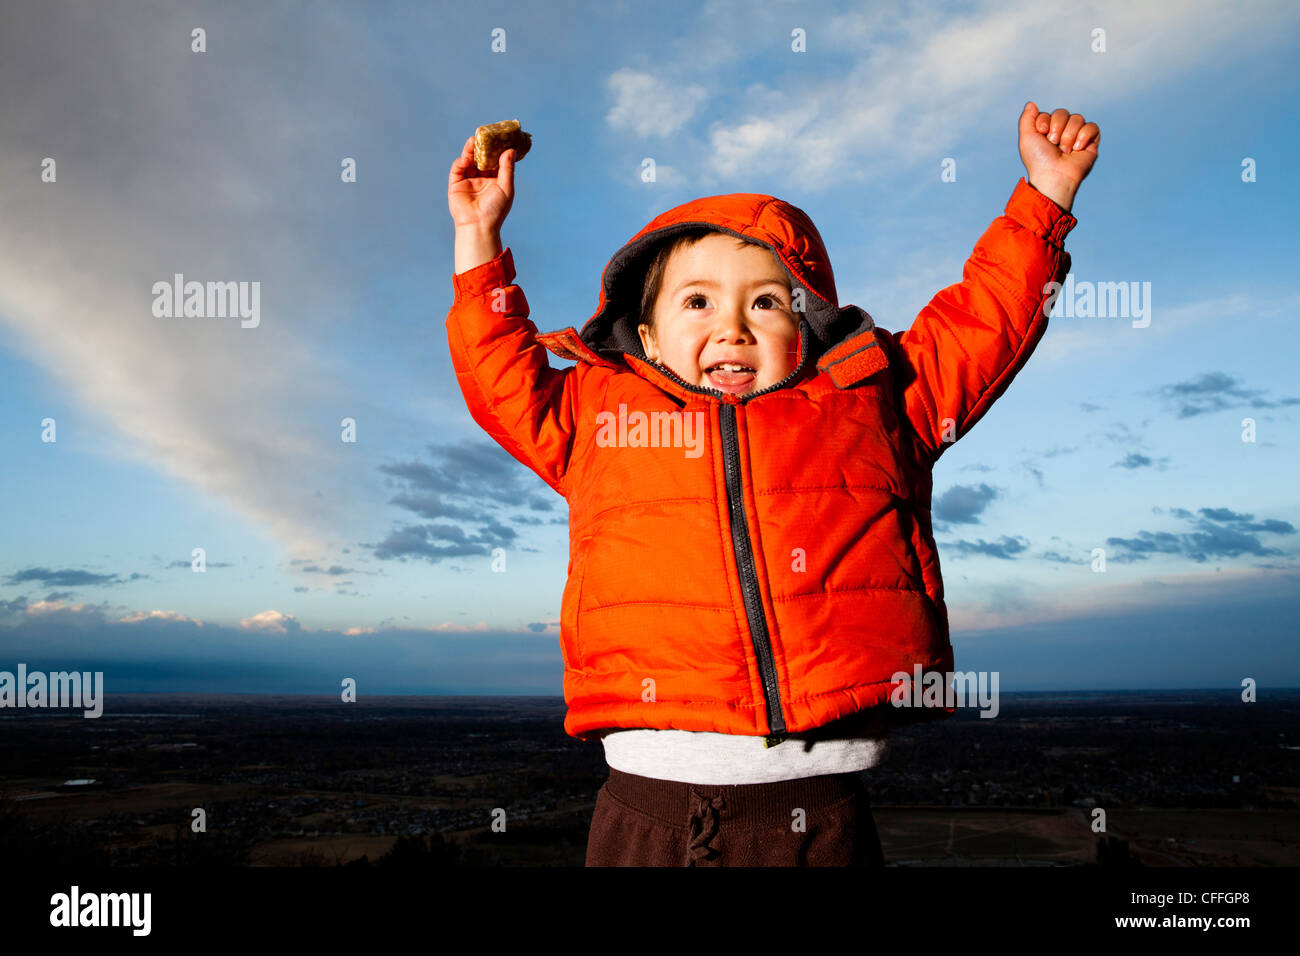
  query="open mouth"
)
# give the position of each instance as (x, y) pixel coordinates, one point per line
(731, 376)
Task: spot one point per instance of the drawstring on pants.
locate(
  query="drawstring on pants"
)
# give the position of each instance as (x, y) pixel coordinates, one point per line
(704, 824)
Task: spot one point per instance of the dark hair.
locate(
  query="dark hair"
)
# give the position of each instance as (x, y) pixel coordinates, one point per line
(654, 275)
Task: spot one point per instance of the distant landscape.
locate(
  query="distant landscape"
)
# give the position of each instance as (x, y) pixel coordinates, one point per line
(1187, 778)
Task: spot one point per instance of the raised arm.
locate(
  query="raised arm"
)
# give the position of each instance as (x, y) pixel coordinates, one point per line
(511, 389)
(508, 384)
(972, 339)
(968, 343)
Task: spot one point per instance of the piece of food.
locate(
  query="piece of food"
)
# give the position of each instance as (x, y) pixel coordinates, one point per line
(494, 139)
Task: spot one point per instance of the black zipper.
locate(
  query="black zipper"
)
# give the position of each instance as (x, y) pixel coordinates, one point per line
(749, 575)
(741, 543)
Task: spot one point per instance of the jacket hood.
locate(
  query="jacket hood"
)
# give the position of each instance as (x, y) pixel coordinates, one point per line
(785, 229)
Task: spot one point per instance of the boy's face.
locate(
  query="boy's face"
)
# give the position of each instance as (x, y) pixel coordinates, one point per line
(721, 302)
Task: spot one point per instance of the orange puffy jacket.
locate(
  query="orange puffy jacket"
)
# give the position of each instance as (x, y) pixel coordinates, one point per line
(757, 564)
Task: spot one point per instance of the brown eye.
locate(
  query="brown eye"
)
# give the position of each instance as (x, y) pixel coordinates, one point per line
(690, 299)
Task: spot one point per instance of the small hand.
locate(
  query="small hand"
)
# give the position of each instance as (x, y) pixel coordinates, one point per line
(478, 199)
(1058, 150)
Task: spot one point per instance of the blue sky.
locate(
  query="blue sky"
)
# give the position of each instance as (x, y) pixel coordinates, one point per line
(372, 559)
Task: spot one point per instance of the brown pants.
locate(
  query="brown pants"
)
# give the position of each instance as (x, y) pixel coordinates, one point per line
(813, 821)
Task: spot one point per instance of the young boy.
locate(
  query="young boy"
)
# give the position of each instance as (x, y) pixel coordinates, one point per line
(748, 472)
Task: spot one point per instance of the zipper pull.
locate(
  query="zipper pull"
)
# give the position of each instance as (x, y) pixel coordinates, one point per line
(771, 740)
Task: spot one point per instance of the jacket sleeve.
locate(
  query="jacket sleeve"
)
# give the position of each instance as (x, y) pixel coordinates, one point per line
(510, 388)
(967, 345)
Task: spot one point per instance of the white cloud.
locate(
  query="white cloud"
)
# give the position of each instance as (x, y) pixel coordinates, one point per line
(272, 622)
(37, 608)
(447, 626)
(648, 105)
(205, 164)
(917, 80)
(174, 616)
